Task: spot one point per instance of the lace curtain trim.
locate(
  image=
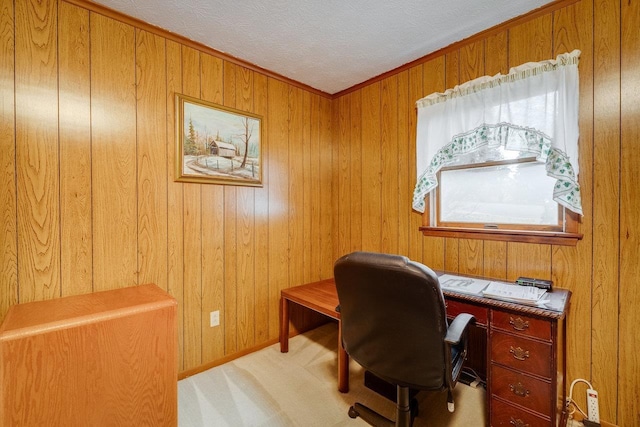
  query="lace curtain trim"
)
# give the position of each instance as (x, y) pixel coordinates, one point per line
(566, 191)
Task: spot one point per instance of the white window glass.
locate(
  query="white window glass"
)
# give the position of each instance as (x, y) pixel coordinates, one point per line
(515, 193)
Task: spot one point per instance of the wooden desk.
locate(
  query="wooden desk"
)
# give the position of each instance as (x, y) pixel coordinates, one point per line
(525, 350)
(321, 297)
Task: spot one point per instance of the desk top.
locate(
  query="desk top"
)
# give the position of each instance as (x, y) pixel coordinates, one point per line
(319, 296)
(322, 297)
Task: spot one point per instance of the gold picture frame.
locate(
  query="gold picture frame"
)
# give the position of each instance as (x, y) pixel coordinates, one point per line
(217, 144)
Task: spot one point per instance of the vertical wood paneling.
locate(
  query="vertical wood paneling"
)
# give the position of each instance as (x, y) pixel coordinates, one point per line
(37, 150)
(494, 260)
(606, 209)
(371, 174)
(335, 176)
(327, 190)
(151, 83)
(531, 41)
(296, 197)
(308, 171)
(472, 61)
(230, 233)
(246, 231)
(175, 210)
(471, 257)
(74, 102)
(355, 167)
(629, 363)
(260, 98)
(416, 91)
(113, 154)
(572, 265)
(389, 164)
(8, 191)
(528, 260)
(496, 59)
(213, 225)
(313, 198)
(192, 226)
(404, 186)
(296, 186)
(278, 106)
(344, 176)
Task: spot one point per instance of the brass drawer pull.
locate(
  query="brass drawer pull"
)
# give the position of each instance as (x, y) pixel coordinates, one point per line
(519, 353)
(519, 389)
(519, 324)
(518, 423)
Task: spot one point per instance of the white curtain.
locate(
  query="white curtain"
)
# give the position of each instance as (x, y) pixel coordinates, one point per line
(533, 108)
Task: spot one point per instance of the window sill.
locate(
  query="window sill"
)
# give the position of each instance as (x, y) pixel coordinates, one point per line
(543, 237)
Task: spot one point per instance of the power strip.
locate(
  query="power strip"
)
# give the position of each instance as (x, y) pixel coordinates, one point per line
(592, 405)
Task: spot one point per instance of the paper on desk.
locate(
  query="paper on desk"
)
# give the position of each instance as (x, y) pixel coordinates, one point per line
(467, 285)
(514, 293)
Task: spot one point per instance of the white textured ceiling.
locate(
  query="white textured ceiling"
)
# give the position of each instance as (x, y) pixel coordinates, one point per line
(329, 45)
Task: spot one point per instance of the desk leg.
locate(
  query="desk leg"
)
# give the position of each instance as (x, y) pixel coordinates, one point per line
(343, 365)
(284, 325)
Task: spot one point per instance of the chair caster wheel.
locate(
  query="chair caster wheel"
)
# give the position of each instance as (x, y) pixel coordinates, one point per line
(353, 413)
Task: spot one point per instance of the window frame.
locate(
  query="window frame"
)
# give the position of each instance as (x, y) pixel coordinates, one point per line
(565, 233)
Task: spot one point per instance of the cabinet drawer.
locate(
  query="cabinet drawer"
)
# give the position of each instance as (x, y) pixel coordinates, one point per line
(456, 307)
(524, 325)
(503, 414)
(521, 389)
(521, 353)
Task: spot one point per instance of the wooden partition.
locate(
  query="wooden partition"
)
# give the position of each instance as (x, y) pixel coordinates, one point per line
(107, 358)
(374, 167)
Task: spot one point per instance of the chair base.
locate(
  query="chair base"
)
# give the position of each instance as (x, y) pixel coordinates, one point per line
(406, 411)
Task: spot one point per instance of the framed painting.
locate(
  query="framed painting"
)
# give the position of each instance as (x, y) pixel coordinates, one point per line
(217, 144)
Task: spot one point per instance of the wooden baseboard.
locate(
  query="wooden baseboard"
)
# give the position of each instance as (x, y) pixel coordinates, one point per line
(185, 374)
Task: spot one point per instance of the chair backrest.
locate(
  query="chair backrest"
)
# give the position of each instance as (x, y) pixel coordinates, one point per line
(393, 318)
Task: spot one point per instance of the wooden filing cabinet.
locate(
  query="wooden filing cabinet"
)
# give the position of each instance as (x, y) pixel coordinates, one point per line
(526, 367)
(102, 359)
(525, 358)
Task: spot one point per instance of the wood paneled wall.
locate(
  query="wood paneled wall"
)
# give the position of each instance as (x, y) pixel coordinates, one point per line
(374, 167)
(88, 200)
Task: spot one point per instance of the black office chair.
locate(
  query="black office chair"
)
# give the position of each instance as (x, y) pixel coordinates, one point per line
(394, 324)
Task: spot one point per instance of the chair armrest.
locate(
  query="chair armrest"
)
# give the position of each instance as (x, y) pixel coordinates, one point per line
(458, 327)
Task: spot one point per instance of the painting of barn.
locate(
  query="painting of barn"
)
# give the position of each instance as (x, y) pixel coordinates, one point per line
(222, 149)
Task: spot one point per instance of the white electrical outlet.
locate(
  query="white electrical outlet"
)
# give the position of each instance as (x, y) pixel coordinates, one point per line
(214, 318)
(592, 405)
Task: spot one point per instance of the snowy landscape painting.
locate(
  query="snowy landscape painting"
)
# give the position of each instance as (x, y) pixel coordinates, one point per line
(217, 144)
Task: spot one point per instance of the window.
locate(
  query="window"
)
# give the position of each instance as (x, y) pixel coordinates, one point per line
(497, 157)
(520, 200)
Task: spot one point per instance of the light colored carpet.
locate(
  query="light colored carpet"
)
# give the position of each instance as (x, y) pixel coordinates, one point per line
(299, 388)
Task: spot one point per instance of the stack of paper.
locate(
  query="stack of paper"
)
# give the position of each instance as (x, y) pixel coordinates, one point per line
(467, 285)
(515, 293)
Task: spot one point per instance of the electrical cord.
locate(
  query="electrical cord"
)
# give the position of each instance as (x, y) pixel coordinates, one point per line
(471, 372)
(570, 398)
